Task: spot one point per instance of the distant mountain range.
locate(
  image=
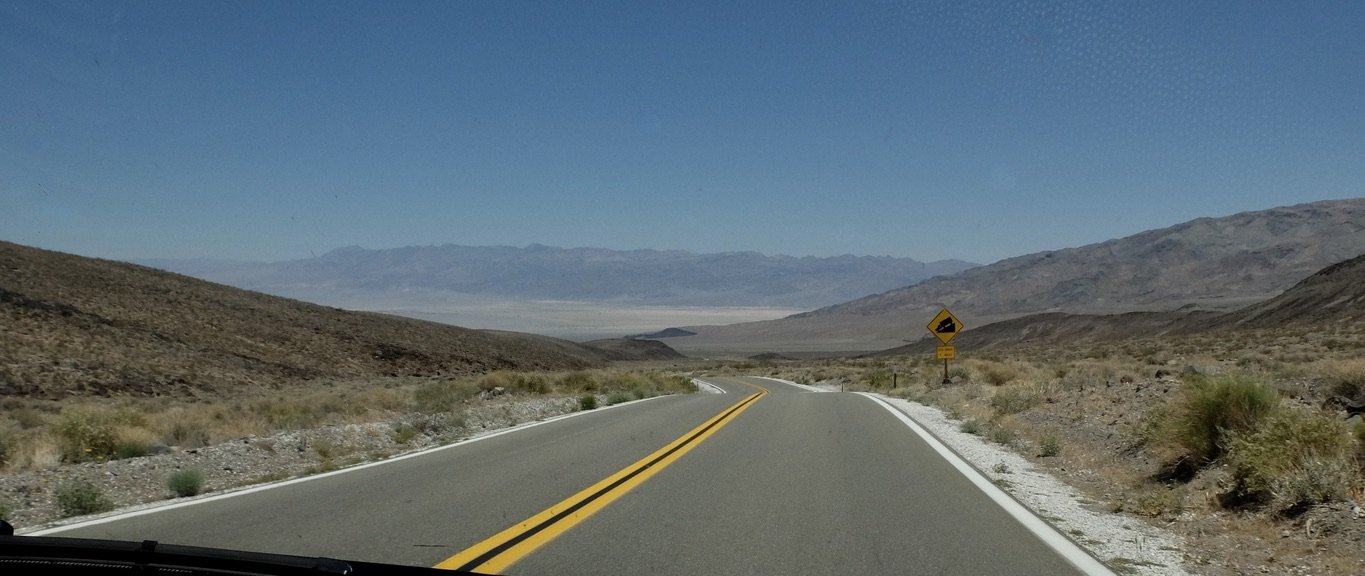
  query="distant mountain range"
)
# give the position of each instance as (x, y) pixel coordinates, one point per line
(635, 277)
(1211, 263)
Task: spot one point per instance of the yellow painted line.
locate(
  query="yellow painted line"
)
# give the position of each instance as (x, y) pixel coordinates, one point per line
(507, 547)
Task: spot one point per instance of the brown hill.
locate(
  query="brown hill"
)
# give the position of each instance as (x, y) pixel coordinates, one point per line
(1214, 263)
(1333, 295)
(71, 325)
(618, 349)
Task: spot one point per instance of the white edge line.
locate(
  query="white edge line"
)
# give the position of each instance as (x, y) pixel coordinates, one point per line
(1068, 549)
(161, 507)
(790, 383)
(709, 387)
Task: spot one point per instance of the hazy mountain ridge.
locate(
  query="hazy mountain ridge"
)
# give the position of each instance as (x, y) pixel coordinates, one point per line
(662, 277)
(1217, 263)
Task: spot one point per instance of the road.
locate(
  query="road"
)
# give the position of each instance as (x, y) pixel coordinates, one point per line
(789, 482)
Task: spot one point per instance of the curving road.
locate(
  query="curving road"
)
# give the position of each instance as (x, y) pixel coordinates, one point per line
(792, 482)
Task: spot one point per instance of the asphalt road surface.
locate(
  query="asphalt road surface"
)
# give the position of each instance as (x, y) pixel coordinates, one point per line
(765, 479)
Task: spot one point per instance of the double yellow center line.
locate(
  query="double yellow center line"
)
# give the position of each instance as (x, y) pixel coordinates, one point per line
(505, 548)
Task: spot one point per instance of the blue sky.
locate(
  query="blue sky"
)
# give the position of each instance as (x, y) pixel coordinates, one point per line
(972, 130)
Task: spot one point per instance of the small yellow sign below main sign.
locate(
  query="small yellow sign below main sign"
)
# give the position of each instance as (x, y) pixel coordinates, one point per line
(945, 326)
(946, 353)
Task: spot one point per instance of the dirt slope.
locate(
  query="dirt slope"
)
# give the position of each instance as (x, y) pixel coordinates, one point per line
(71, 325)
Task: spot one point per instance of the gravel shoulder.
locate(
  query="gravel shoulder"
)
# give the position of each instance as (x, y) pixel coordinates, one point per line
(136, 483)
(1126, 543)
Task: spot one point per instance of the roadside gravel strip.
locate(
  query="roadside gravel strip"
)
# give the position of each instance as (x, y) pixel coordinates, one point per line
(138, 485)
(1127, 544)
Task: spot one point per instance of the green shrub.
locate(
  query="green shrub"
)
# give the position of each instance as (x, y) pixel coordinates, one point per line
(81, 497)
(404, 433)
(1292, 459)
(132, 443)
(187, 482)
(1049, 446)
(1014, 400)
(1197, 421)
(1002, 436)
(970, 427)
(617, 398)
(587, 402)
(84, 434)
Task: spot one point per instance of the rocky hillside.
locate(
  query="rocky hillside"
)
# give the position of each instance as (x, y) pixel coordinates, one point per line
(71, 325)
(649, 277)
(1213, 263)
(1333, 295)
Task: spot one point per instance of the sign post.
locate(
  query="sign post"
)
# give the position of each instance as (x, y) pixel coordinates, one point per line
(945, 327)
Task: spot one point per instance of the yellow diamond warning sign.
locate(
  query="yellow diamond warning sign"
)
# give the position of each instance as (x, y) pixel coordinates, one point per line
(945, 326)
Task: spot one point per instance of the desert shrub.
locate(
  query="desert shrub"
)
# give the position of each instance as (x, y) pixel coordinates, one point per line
(132, 442)
(587, 402)
(1159, 500)
(28, 418)
(288, 413)
(81, 497)
(1049, 446)
(970, 427)
(877, 378)
(1014, 400)
(6, 509)
(1292, 459)
(578, 382)
(1084, 375)
(85, 434)
(186, 432)
(617, 398)
(404, 433)
(1002, 436)
(8, 445)
(441, 396)
(531, 383)
(187, 482)
(1195, 424)
(997, 374)
(1345, 378)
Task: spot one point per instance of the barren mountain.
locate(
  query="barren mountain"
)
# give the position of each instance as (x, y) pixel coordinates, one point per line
(1213, 263)
(1333, 295)
(74, 325)
(650, 277)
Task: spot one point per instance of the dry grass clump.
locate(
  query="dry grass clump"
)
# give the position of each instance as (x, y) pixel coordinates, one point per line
(1343, 377)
